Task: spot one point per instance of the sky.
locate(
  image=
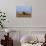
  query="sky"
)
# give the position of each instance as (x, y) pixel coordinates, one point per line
(24, 8)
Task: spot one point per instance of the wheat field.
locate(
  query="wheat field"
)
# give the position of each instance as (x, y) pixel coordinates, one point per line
(23, 14)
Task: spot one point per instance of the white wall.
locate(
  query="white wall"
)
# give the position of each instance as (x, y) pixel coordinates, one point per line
(38, 13)
(37, 22)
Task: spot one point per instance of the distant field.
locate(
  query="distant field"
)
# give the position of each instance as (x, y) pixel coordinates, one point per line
(23, 15)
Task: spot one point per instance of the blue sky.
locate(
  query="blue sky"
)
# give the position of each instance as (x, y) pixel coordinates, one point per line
(24, 8)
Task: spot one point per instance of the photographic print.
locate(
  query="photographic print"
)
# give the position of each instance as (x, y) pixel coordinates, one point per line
(23, 11)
